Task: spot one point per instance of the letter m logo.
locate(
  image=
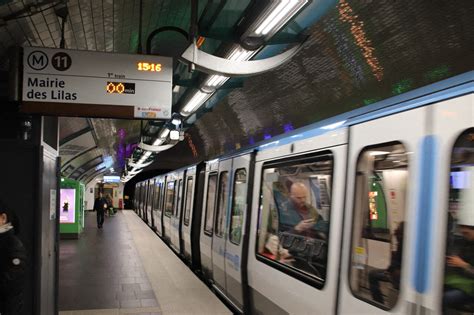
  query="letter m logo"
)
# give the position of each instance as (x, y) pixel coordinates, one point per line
(37, 60)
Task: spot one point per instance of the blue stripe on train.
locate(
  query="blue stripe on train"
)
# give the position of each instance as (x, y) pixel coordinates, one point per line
(424, 214)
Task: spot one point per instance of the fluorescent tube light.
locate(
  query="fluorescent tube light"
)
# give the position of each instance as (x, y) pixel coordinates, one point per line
(164, 133)
(158, 141)
(277, 16)
(194, 102)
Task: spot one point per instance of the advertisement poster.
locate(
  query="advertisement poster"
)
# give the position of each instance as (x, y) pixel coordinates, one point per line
(67, 210)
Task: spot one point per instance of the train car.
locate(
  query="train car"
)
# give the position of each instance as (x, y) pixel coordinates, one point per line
(352, 215)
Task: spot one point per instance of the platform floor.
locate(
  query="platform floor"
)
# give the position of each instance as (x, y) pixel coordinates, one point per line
(125, 268)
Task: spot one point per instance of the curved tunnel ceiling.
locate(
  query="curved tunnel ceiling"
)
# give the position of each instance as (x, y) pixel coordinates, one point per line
(360, 52)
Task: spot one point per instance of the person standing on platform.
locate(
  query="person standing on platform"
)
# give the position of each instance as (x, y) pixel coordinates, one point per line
(12, 264)
(100, 205)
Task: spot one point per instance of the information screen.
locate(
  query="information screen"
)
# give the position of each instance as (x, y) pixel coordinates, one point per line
(61, 78)
(67, 207)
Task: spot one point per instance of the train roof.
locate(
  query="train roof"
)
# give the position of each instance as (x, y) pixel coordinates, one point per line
(443, 90)
(436, 92)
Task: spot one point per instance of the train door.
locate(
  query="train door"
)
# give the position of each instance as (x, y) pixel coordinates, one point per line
(135, 198)
(378, 272)
(149, 201)
(237, 216)
(449, 225)
(169, 205)
(220, 217)
(146, 201)
(141, 201)
(158, 208)
(188, 195)
(295, 230)
(176, 213)
(207, 224)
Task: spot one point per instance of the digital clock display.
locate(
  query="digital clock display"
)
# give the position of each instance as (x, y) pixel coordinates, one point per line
(120, 88)
(147, 66)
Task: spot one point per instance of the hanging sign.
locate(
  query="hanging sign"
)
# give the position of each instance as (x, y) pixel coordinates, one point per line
(96, 84)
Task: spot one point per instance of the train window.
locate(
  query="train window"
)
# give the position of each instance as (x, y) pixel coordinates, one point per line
(157, 206)
(295, 203)
(458, 295)
(378, 224)
(210, 203)
(189, 200)
(169, 200)
(222, 204)
(239, 202)
(178, 199)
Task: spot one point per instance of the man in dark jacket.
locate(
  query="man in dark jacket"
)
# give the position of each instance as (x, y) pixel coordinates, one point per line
(100, 205)
(12, 264)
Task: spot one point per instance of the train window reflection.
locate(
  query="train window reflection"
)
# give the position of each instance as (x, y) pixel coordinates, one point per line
(189, 200)
(222, 204)
(458, 297)
(151, 184)
(239, 204)
(378, 223)
(157, 206)
(178, 199)
(210, 203)
(294, 215)
(169, 200)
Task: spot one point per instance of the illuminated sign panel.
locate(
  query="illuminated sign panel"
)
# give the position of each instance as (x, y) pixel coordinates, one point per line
(111, 179)
(67, 210)
(142, 85)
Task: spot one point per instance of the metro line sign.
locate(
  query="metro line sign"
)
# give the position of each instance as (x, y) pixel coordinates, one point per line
(96, 84)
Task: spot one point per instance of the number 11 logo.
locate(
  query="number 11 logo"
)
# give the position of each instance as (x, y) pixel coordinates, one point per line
(61, 61)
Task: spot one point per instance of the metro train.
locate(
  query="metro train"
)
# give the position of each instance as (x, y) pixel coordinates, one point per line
(352, 215)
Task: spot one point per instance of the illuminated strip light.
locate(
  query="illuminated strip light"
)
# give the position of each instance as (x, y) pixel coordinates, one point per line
(194, 102)
(236, 54)
(275, 16)
(347, 15)
(215, 80)
(279, 16)
(240, 54)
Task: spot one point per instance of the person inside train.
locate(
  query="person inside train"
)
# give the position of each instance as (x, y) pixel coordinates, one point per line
(302, 232)
(298, 216)
(100, 206)
(13, 260)
(392, 273)
(459, 279)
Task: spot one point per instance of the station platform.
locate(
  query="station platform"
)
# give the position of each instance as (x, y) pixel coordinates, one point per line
(125, 268)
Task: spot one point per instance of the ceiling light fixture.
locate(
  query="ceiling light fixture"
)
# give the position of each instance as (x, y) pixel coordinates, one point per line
(176, 121)
(275, 17)
(174, 135)
(194, 102)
